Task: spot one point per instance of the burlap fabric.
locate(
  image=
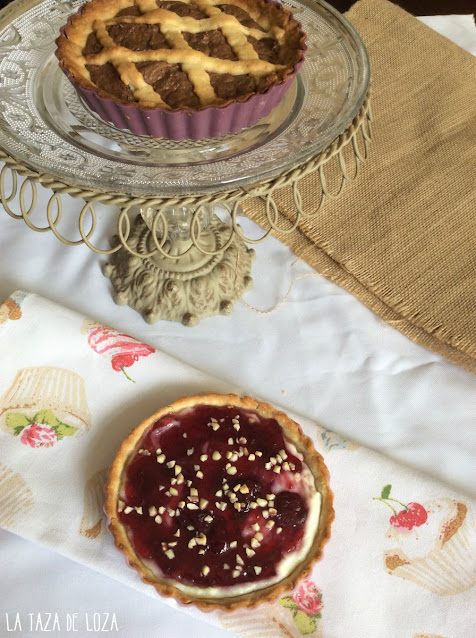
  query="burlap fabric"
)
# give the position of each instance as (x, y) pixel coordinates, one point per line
(402, 237)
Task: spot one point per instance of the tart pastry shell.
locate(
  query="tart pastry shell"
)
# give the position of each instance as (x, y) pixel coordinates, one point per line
(174, 124)
(293, 434)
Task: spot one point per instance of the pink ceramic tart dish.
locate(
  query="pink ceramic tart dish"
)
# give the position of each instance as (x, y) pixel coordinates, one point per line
(181, 69)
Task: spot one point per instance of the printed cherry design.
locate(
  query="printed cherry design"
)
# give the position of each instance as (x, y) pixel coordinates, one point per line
(121, 361)
(412, 515)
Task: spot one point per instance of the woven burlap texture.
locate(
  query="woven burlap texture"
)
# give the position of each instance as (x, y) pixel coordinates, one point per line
(402, 237)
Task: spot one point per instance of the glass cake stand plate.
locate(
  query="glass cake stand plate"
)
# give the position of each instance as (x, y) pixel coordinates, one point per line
(44, 124)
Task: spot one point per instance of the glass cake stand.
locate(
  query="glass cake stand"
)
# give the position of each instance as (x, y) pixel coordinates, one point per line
(177, 259)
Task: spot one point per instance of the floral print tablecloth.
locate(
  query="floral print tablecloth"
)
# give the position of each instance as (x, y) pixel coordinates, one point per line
(401, 561)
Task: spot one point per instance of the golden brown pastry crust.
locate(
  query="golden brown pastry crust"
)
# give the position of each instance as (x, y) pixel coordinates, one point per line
(278, 23)
(293, 434)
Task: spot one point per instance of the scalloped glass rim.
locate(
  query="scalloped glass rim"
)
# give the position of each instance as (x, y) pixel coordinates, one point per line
(56, 135)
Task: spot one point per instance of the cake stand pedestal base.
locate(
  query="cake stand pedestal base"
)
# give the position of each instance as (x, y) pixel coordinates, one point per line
(197, 283)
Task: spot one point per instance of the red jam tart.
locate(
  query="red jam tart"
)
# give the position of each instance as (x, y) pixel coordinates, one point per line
(219, 501)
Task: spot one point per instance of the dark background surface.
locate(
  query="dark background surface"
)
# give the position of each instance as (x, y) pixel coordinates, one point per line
(417, 7)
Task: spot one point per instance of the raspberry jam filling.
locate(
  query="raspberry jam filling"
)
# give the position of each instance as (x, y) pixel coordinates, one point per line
(215, 497)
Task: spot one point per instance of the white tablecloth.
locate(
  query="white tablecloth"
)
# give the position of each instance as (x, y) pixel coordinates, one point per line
(321, 354)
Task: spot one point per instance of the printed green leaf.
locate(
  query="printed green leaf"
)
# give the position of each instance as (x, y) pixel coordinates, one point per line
(287, 601)
(17, 430)
(64, 430)
(306, 624)
(386, 491)
(47, 418)
(17, 421)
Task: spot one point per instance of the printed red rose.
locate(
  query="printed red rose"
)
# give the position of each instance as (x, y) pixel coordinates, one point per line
(308, 598)
(38, 435)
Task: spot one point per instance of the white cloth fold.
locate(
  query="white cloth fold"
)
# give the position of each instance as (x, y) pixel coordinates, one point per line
(402, 557)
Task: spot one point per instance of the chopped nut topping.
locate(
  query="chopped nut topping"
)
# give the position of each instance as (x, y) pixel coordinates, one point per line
(216, 456)
(192, 506)
(286, 466)
(158, 519)
(259, 536)
(235, 573)
(258, 453)
(233, 544)
(257, 569)
(251, 457)
(201, 551)
(236, 426)
(203, 457)
(128, 509)
(161, 509)
(205, 570)
(203, 503)
(270, 524)
(270, 497)
(215, 427)
(244, 489)
(190, 451)
(170, 554)
(193, 491)
(262, 502)
(170, 463)
(239, 560)
(232, 470)
(177, 470)
(279, 530)
(152, 511)
(277, 469)
(196, 467)
(199, 475)
(177, 533)
(208, 518)
(254, 543)
(161, 458)
(201, 539)
(230, 441)
(219, 493)
(174, 491)
(250, 552)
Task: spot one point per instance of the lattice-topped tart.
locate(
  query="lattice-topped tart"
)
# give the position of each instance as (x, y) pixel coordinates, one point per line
(219, 501)
(181, 68)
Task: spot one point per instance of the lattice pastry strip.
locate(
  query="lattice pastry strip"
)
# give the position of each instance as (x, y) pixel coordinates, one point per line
(197, 65)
